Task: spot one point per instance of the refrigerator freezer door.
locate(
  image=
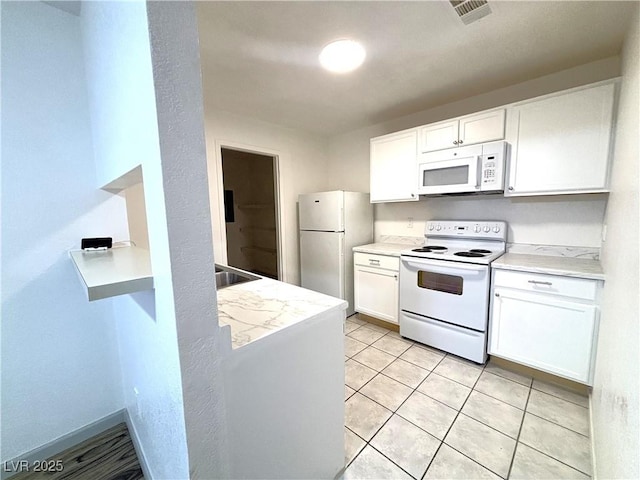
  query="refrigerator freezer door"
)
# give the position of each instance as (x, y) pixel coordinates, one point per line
(322, 211)
(322, 262)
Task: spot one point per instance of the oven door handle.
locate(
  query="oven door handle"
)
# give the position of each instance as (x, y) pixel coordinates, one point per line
(426, 265)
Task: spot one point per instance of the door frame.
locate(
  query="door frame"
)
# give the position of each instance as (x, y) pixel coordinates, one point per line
(277, 188)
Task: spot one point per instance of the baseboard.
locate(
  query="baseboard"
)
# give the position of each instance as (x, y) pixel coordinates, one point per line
(376, 321)
(137, 445)
(580, 388)
(61, 444)
(592, 439)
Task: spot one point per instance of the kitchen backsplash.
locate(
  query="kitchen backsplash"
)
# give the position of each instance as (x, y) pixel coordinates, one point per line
(401, 239)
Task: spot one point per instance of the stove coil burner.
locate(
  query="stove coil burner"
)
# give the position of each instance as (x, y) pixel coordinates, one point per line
(430, 249)
(479, 250)
(469, 254)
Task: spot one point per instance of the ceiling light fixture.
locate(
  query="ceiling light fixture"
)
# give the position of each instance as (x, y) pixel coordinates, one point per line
(342, 56)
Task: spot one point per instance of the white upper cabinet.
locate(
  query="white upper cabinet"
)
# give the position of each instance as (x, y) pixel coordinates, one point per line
(477, 128)
(439, 136)
(561, 143)
(482, 127)
(393, 167)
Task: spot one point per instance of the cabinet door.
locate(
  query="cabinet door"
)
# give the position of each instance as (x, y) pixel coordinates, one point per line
(393, 175)
(483, 127)
(376, 293)
(439, 136)
(543, 332)
(561, 144)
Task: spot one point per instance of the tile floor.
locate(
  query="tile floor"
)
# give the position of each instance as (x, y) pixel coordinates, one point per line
(416, 412)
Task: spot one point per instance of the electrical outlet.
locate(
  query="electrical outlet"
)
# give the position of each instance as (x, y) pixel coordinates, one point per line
(410, 223)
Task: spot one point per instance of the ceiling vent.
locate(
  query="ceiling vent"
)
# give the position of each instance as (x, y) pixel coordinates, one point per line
(471, 10)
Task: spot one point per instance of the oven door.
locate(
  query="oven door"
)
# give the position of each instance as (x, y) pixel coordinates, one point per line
(450, 171)
(456, 293)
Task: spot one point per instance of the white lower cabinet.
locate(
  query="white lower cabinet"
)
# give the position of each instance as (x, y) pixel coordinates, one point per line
(546, 322)
(376, 286)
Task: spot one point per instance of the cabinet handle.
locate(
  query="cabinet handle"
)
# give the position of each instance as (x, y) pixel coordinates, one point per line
(395, 276)
(455, 142)
(511, 189)
(374, 262)
(460, 142)
(537, 282)
(497, 294)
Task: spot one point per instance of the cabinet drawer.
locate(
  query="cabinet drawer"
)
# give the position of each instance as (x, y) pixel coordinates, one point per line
(547, 284)
(376, 261)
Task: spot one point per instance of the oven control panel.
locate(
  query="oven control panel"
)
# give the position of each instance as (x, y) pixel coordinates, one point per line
(471, 229)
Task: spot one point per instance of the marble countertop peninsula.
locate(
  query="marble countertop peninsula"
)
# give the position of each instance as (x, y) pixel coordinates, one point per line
(261, 307)
(550, 264)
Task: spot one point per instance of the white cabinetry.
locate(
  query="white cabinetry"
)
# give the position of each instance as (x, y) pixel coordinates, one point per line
(561, 143)
(547, 322)
(393, 166)
(476, 128)
(376, 285)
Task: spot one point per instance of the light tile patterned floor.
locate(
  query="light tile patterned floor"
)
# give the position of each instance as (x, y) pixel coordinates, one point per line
(415, 412)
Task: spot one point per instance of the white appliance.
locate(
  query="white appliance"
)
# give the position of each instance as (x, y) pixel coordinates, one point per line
(331, 224)
(472, 169)
(444, 286)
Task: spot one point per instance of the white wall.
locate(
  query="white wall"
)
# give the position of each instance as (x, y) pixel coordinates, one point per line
(146, 105)
(616, 398)
(302, 161)
(575, 221)
(60, 368)
(177, 81)
(125, 132)
(568, 220)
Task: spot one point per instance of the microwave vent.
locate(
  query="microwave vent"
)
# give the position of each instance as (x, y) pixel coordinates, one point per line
(470, 10)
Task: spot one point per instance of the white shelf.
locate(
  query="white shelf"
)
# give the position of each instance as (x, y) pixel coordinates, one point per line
(117, 271)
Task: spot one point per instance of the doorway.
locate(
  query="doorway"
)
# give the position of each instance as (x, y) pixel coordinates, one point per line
(250, 210)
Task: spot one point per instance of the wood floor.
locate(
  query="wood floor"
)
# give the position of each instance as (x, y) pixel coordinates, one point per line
(108, 456)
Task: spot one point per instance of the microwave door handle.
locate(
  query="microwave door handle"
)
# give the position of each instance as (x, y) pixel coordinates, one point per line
(478, 172)
(421, 265)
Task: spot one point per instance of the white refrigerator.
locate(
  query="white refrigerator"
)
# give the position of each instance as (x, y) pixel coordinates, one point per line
(331, 224)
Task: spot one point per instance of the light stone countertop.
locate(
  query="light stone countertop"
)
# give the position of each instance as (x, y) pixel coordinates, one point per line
(553, 265)
(391, 249)
(258, 308)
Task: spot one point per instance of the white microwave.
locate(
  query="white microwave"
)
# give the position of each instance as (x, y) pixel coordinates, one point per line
(471, 169)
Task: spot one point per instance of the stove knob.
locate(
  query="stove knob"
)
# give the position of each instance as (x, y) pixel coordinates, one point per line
(496, 229)
(438, 228)
(486, 229)
(431, 226)
(476, 229)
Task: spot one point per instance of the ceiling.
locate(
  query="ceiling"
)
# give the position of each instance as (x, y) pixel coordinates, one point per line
(260, 59)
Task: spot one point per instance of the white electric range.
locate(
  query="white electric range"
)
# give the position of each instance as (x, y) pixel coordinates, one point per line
(444, 286)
